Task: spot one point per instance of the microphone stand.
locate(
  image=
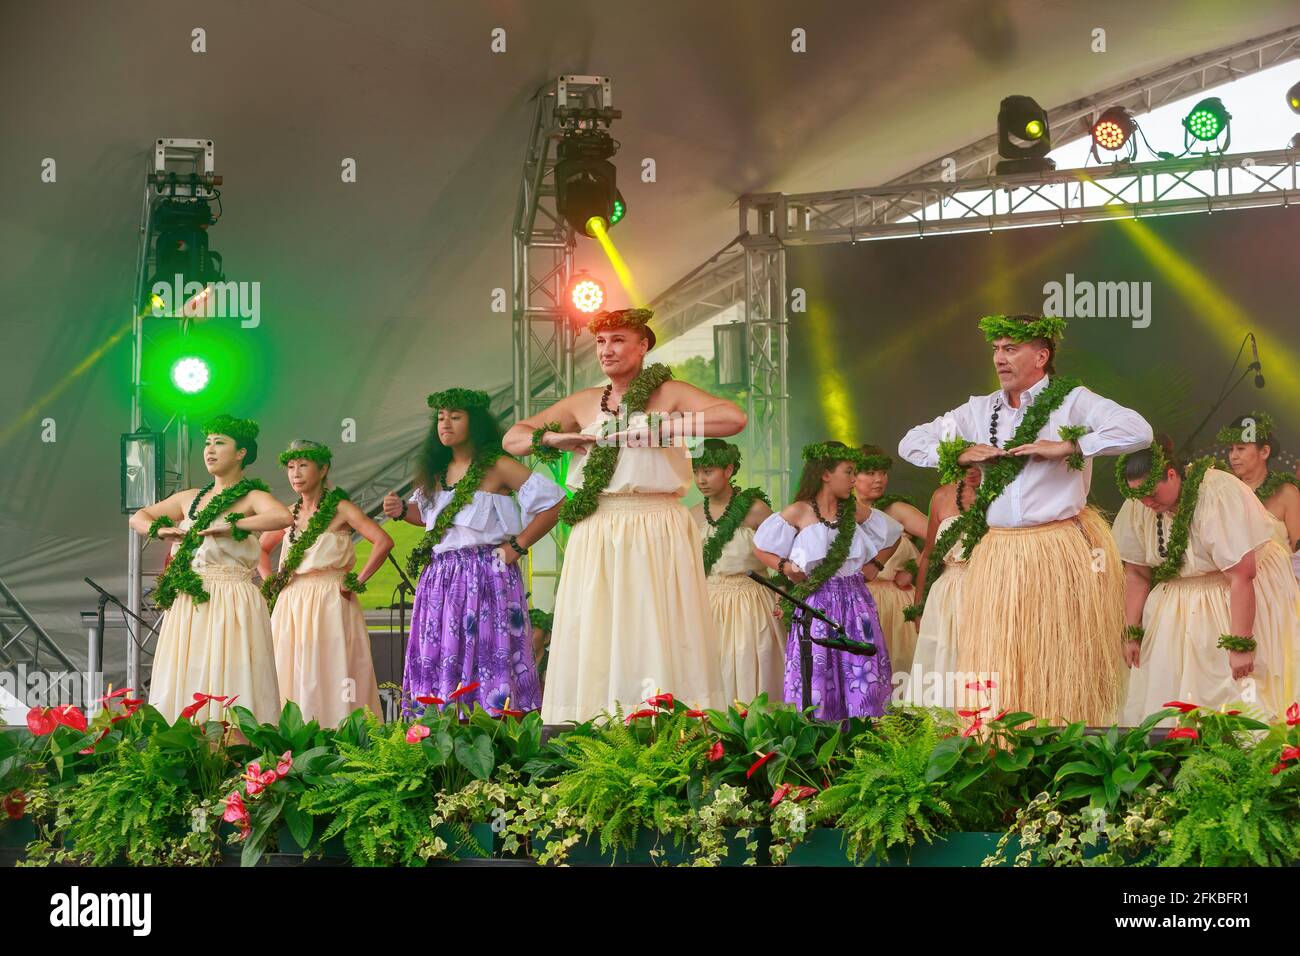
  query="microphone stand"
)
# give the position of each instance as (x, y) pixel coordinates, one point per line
(403, 588)
(803, 618)
(97, 664)
(1223, 397)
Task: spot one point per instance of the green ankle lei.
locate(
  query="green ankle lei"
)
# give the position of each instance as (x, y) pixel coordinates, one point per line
(180, 576)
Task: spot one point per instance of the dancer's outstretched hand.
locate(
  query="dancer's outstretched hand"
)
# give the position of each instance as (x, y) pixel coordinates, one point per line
(977, 453)
(394, 507)
(1242, 663)
(1132, 653)
(569, 441)
(1044, 448)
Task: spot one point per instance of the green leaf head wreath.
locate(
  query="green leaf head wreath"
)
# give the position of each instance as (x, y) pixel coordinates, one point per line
(997, 327)
(461, 398)
(1159, 465)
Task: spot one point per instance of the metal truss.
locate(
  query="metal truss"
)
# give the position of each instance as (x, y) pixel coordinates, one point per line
(178, 170)
(1202, 183)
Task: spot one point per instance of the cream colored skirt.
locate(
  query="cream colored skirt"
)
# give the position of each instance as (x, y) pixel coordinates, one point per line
(220, 647)
(900, 634)
(934, 665)
(632, 613)
(1179, 659)
(322, 649)
(751, 641)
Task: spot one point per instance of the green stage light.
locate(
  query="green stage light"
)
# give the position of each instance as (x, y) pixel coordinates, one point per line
(190, 374)
(1033, 129)
(1207, 120)
(620, 210)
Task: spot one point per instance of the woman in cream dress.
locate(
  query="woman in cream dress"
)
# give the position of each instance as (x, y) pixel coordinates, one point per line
(322, 645)
(934, 665)
(750, 639)
(1234, 579)
(219, 646)
(631, 609)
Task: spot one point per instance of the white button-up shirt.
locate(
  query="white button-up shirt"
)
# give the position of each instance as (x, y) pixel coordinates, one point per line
(1045, 490)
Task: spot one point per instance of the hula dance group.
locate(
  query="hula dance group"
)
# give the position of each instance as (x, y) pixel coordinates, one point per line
(1008, 591)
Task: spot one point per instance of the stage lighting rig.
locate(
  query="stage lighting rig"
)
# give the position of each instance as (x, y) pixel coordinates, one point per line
(181, 247)
(1207, 121)
(1024, 136)
(586, 294)
(1293, 101)
(1114, 131)
(586, 182)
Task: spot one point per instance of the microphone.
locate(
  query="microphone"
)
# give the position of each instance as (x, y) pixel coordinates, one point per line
(1259, 369)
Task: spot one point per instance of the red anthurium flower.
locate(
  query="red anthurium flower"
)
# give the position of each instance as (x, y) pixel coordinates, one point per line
(102, 735)
(120, 692)
(973, 729)
(637, 715)
(507, 712)
(1182, 733)
(253, 784)
(1290, 753)
(973, 713)
(430, 700)
(228, 703)
(40, 721)
(200, 701)
(1001, 715)
(1278, 769)
(661, 700)
(980, 685)
(1233, 713)
(69, 716)
(803, 793)
(1293, 714)
(269, 777)
(696, 713)
(462, 691)
(14, 803)
(1185, 707)
(285, 764)
(716, 751)
(416, 732)
(759, 762)
(780, 794)
(236, 812)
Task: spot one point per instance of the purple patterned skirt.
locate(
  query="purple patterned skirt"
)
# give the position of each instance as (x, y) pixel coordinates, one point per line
(470, 623)
(843, 685)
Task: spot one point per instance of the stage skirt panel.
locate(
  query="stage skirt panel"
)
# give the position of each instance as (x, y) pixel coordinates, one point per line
(469, 624)
(322, 645)
(843, 684)
(632, 613)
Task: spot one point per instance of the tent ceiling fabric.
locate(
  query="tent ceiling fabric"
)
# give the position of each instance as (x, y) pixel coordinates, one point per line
(386, 284)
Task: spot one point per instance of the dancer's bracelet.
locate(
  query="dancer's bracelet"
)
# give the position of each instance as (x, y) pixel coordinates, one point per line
(239, 534)
(1136, 632)
(159, 524)
(519, 550)
(950, 469)
(1235, 642)
(780, 565)
(353, 584)
(544, 452)
(912, 612)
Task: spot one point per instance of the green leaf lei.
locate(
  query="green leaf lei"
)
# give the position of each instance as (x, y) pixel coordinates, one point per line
(353, 583)
(835, 557)
(1135, 632)
(602, 459)
(180, 576)
(544, 453)
(876, 463)
(1177, 547)
(1159, 465)
(316, 525)
(1235, 642)
(321, 455)
(949, 451)
(238, 534)
(1230, 435)
(159, 524)
(736, 510)
(1073, 433)
(972, 524)
(1274, 481)
(884, 501)
(911, 567)
(997, 327)
(542, 619)
(461, 495)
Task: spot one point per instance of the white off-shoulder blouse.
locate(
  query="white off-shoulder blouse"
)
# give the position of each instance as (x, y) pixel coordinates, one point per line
(490, 518)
